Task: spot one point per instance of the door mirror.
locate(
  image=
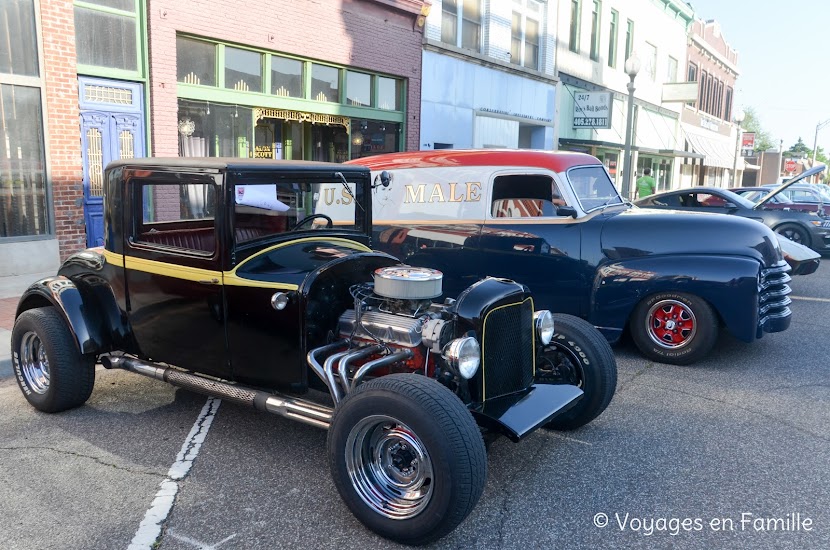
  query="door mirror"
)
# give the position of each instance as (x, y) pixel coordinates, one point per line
(566, 211)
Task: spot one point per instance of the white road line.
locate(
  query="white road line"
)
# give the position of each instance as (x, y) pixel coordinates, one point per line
(809, 299)
(150, 528)
(198, 544)
(575, 440)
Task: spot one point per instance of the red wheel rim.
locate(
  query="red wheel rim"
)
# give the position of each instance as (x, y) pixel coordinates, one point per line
(671, 324)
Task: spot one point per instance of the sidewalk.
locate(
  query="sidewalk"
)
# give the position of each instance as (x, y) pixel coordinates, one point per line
(10, 290)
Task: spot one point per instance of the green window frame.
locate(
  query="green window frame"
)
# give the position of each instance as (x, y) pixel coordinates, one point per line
(139, 16)
(612, 39)
(576, 10)
(629, 38)
(596, 19)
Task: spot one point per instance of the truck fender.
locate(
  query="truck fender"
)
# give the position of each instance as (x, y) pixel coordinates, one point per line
(728, 283)
(62, 294)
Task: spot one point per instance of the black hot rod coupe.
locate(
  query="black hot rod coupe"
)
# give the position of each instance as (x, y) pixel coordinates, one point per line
(254, 281)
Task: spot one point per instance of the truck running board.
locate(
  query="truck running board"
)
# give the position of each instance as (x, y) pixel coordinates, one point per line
(282, 405)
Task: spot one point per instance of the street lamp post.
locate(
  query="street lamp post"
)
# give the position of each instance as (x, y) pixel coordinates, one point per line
(739, 118)
(819, 126)
(632, 67)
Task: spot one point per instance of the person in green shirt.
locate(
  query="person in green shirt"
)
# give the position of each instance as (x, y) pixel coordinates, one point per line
(646, 185)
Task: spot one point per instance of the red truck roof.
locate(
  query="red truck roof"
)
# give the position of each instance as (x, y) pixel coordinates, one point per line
(558, 161)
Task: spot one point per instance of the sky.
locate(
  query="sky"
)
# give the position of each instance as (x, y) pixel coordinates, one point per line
(781, 56)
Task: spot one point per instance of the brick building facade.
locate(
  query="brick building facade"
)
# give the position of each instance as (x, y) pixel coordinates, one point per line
(41, 218)
(270, 90)
(116, 67)
(708, 123)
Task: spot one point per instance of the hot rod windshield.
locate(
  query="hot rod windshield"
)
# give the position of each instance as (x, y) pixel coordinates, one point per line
(265, 207)
(592, 187)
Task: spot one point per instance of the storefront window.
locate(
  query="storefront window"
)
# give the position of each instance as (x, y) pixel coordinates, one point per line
(325, 83)
(358, 89)
(243, 70)
(196, 61)
(214, 130)
(373, 137)
(126, 5)
(18, 35)
(104, 39)
(22, 163)
(286, 77)
(389, 93)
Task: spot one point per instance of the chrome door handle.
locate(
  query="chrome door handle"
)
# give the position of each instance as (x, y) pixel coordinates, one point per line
(209, 282)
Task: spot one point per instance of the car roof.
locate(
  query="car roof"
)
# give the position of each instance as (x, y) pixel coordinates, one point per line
(558, 161)
(230, 163)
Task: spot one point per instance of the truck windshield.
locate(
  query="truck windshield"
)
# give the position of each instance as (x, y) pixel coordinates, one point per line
(264, 208)
(592, 187)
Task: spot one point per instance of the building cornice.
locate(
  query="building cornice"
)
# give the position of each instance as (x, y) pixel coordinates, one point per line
(409, 6)
(681, 11)
(484, 61)
(702, 44)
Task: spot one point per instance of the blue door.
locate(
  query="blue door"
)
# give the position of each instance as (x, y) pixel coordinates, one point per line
(112, 128)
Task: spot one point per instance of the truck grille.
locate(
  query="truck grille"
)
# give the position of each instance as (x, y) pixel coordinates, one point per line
(507, 350)
(773, 302)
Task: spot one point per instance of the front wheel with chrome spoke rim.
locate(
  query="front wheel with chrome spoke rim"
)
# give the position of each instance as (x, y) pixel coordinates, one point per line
(674, 327)
(52, 374)
(407, 457)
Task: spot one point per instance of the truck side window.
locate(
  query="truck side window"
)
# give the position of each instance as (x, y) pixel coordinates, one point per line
(525, 196)
(176, 215)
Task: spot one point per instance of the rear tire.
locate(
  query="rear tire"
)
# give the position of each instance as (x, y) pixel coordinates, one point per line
(674, 327)
(579, 355)
(405, 433)
(795, 233)
(50, 371)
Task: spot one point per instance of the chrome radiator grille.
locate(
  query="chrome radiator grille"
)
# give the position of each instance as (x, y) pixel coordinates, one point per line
(507, 350)
(773, 289)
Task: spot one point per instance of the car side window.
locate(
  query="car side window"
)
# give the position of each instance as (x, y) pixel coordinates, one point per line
(525, 196)
(667, 200)
(708, 200)
(175, 215)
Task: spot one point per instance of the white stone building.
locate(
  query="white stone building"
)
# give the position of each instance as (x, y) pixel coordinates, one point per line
(595, 39)
(488, 75)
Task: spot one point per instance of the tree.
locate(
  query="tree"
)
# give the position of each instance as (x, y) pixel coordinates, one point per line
(800, 150)
(751, 123)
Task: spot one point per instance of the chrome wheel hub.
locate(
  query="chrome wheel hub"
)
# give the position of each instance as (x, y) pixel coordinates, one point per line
(671, 324)
(389, 467)
(33, 363)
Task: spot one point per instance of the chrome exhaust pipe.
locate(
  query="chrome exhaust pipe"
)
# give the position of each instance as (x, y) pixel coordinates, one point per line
(377, 363)
(328, 369)
(343, 367)
(301, 410)
(314, 362)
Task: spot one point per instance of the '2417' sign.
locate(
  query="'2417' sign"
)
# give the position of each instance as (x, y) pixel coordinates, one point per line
(592, 110)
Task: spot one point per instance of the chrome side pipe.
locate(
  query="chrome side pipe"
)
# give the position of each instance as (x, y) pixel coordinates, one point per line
(301, 410)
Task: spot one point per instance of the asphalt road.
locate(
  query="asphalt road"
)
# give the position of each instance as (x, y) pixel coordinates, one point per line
(743, 435)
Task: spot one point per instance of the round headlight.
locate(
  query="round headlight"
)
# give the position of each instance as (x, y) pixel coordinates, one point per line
(544, 326)
(463, 355)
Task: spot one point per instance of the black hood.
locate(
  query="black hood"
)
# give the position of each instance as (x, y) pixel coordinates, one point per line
(645, 232)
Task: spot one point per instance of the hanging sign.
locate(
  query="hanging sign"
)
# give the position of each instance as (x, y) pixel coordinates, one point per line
(592, 110)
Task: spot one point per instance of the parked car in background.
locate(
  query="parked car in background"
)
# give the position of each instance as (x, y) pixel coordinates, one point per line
(253, 281)
(555, 221)
(816, 195)
(779, 201)
(810, 229)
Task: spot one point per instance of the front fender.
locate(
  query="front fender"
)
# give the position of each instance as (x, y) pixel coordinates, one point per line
(728, 283)
(63, 295)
